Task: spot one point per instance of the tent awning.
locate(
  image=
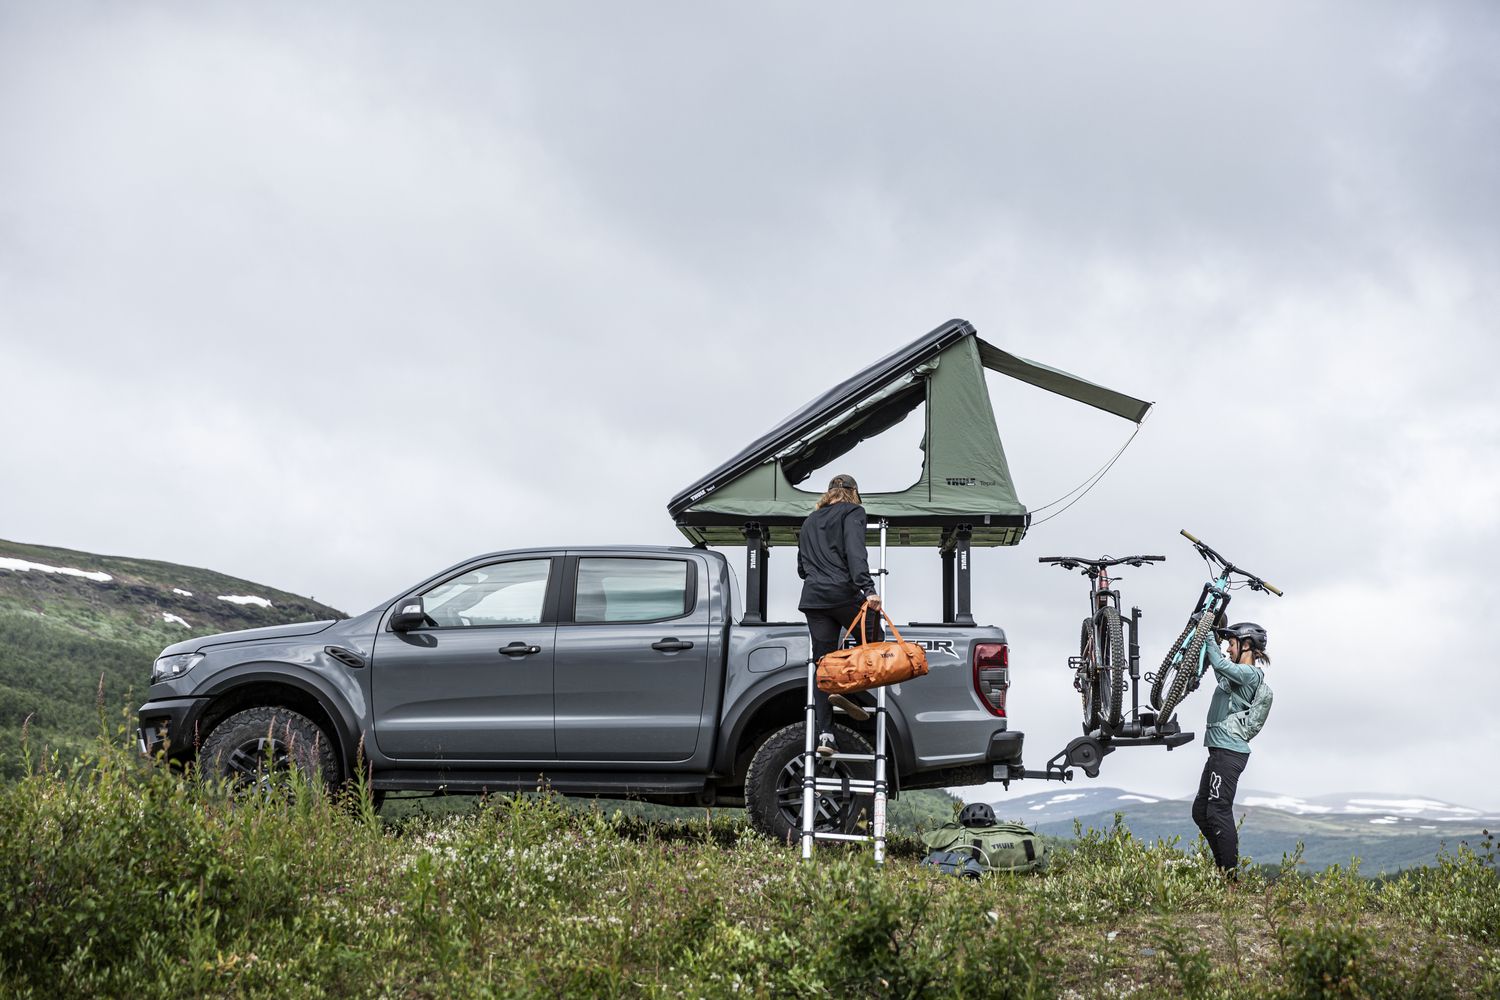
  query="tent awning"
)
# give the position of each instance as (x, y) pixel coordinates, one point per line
(964, 480)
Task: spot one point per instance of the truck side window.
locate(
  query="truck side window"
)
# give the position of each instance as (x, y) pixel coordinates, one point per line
(508, 593)
(632, 590)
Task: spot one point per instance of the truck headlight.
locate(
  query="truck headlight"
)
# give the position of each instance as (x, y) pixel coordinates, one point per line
(168, 667)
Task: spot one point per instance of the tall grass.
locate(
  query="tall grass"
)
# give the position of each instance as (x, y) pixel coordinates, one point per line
(121, 878)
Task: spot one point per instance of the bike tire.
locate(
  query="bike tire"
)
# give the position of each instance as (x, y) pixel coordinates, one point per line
(1114, 664)
(1186, 679)
(1159, 682)
(1089, 687)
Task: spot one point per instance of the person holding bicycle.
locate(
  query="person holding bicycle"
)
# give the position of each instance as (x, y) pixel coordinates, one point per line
(835, 569)
(1231, 724)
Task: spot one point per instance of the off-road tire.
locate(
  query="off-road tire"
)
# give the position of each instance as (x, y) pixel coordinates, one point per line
(245, 747)
(1113, 681)
(773, 786)
(1159, 683)
(1089, 686)
(1186, 678)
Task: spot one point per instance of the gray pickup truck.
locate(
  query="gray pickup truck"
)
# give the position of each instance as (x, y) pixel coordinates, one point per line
(619, 672)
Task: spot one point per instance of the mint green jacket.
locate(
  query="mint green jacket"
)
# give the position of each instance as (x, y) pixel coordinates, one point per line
(1237, 684)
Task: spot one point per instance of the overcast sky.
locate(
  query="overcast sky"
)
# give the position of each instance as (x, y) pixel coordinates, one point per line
(329, 296)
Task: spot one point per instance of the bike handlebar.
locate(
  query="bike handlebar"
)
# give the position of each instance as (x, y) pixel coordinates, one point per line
(1256, 583)
(1072, 562)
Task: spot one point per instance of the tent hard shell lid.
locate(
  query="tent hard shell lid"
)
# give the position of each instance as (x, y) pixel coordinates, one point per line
(965, 483)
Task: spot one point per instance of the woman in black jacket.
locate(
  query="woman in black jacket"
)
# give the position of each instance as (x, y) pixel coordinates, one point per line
(835, 569)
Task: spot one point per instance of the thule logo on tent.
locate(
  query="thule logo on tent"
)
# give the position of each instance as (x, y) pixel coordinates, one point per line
(963, 481)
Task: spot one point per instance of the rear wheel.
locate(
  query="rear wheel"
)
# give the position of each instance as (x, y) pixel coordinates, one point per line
(250, 749)
(1159, 682)
(1112, 664)
(1185, 679)
(1087, 681)
(773, 785)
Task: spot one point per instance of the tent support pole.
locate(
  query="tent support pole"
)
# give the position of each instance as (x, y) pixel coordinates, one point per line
(945, 549)
(963, 613)
(757, 580)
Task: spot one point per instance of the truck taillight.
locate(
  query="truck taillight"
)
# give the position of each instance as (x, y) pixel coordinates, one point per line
(992, 675)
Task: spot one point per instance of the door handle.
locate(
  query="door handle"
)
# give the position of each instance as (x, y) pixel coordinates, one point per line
(671, 645)
(519, 649)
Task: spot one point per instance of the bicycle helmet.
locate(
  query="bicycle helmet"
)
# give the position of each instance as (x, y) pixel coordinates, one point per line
(977, 814)
(1247, 632)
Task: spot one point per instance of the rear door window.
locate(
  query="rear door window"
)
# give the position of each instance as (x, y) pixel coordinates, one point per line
(633, 590)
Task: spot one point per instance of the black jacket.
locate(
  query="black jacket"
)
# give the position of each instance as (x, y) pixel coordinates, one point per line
(831, 557)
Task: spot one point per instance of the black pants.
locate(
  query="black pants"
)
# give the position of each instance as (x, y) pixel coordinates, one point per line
(1213, 809)
(826, 624)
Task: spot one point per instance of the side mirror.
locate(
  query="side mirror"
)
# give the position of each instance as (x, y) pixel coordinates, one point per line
(411, 615)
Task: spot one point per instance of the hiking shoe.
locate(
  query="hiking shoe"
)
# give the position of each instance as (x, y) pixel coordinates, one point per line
(827, 746)
(851, 708)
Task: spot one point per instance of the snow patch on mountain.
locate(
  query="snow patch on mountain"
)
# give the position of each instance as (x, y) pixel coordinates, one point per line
(22, 566)
(1411, 806)
(174, 619)
(1285, 803)
(245, 599)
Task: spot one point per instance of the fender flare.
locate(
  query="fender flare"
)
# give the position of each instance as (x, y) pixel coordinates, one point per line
(345, 727)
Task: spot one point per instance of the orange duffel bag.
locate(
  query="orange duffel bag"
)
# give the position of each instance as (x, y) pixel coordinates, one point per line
(870, 664)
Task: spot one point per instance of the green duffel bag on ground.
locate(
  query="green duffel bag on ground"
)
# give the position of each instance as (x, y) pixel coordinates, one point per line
(1001, 847)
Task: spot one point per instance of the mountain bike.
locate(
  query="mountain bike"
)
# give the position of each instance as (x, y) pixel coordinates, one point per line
(1099, 668)
(1187, 660)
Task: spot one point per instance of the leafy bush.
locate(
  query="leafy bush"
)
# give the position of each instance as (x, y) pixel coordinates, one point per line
(1460, 895)
(125, 879)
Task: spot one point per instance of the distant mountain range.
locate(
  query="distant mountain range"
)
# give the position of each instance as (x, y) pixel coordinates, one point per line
(1385, 832)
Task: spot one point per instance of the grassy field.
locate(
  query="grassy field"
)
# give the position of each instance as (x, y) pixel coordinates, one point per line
(122, 879)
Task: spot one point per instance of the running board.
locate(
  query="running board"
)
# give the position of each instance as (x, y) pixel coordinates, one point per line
(604, 784)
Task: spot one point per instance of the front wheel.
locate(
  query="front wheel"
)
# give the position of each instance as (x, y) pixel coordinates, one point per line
(773, 785)
(250, 749)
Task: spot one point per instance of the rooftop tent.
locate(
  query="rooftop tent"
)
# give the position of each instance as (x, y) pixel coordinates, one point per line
(965, 480)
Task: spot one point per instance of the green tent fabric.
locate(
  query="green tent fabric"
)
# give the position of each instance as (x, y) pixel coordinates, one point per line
(964, 477)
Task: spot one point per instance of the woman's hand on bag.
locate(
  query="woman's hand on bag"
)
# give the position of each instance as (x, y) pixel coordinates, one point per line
(873, 601)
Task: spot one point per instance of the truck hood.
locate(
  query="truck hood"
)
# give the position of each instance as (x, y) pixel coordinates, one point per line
(271, 632)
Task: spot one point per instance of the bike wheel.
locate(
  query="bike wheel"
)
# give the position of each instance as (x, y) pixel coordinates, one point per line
(1087, 683)
(1159, 683)
(1112, 664)
(1186, 679)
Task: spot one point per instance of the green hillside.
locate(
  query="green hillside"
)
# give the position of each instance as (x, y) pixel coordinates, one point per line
(70, 643)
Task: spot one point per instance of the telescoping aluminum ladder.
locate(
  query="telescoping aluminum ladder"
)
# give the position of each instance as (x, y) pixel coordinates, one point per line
(812, 784)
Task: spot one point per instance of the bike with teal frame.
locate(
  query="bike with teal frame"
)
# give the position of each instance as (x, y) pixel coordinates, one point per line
(1187, 660)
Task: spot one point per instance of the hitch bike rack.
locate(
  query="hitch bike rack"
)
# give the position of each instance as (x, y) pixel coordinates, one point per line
(1087, 753)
